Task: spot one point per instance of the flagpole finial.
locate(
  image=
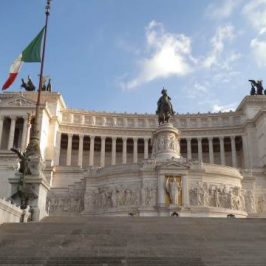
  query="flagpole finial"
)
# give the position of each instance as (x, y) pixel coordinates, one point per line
(47, 7)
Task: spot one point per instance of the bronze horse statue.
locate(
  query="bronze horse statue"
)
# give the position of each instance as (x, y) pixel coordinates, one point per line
(28, 86)
(164, 108)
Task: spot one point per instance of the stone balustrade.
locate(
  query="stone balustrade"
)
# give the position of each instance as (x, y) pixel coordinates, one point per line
(150, 121)
(9, 213)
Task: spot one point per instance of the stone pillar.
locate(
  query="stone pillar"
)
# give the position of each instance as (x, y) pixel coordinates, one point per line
(233, 149)
(185, 192)
(211, 150)
(222, 150)
(69, 149)
(29, 131)
(113, 151)
(102, 163)
(1, 128)
(161, 191)
(135, 150)
(12, 132)
(146, 148)
(124, 159)
(57, 148)
(80, 156)
(189, 155)
(24, 134)
(199, 150)
(166, 142)
(91, 161)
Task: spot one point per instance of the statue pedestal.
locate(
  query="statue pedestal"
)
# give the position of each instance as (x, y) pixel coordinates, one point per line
(34, 189)
(165, 143)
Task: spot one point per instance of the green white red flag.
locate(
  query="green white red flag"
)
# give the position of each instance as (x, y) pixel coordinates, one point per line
(32, 53)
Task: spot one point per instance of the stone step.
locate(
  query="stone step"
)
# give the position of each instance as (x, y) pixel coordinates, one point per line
(135, 241)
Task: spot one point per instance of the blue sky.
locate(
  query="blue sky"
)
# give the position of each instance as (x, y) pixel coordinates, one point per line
(116, 55)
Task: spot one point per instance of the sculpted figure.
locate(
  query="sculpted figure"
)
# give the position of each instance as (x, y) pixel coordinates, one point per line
(164, 108)
(113, 198)
(250, 201)
(217, 197)
(28, 86)
(258, 85)
(172, 187)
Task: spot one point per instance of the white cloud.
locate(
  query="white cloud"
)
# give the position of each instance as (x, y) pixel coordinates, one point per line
(258, 48)
(224, 108)
(255, 12)
(223, 9)
(223, 34)
(169, 55)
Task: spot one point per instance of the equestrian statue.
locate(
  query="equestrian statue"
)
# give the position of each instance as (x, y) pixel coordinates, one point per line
(164, 108)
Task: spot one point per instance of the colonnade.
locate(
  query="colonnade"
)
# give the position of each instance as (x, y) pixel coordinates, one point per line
(14, 132)
(103, 139)
(211, 149)
(192, 148)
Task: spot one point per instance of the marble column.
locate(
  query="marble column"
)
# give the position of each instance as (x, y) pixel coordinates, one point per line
(102, 163)
(1, 129)
(57, 148)
(12, 132)
(211, 149)
(222, 150)
(69, 149)
(91, 160)
(146, 148)
(113, 150)
(135, 150)
(185, 192)
(199, 149)
(29, 131)
(189, 155)
(80, 155)
(124, 159)
(24, 133)
(233, 150)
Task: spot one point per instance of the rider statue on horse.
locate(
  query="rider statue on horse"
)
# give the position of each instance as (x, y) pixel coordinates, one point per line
(164, 108)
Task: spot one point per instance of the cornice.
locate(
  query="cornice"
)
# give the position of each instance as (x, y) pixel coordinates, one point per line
(254, 99)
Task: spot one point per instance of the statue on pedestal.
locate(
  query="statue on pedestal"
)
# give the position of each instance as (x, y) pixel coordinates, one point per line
(164, 108)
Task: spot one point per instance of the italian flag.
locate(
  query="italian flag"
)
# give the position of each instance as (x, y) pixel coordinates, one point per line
(32, 53)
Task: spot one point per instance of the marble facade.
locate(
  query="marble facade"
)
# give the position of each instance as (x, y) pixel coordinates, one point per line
(104, 163)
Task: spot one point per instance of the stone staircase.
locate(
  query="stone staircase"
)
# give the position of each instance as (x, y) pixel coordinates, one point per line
(135, 241)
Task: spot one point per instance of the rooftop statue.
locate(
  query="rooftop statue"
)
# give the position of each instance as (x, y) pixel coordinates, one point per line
(28, 86)
(164, 108)
(256, 85)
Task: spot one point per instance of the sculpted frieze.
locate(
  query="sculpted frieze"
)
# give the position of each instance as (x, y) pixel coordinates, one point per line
(217, 195)
(114, 196)
(18, 102)
(69, 202)
(148, 194)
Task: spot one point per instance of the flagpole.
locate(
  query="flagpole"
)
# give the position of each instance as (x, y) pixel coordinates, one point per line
(33, 147)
